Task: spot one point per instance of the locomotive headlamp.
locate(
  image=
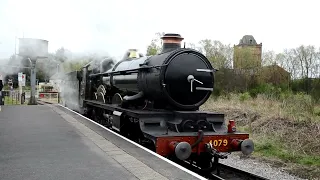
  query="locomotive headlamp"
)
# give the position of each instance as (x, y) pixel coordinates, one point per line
(232, 126)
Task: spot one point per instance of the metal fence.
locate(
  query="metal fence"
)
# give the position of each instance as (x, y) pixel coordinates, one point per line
(12, 98)
(15, 98)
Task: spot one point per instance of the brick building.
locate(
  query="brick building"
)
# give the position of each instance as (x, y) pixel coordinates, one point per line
(247, 64)
(247, 54)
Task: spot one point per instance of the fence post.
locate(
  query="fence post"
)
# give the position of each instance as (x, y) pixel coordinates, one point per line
(0, 98)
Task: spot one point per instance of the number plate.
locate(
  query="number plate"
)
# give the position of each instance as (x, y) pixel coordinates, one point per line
(219, 142)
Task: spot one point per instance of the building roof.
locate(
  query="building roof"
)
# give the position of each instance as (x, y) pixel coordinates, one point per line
(247, 40)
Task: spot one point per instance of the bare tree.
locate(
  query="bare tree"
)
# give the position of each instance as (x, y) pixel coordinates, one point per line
(290, 63)
(219, 55)
(155, 45)
(307, 57)
(268, 58)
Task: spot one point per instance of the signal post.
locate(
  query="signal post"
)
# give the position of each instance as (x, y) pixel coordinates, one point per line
(22, 83)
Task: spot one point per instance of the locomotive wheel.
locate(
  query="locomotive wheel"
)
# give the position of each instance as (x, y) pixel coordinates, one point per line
(117, 99)
(100, 94)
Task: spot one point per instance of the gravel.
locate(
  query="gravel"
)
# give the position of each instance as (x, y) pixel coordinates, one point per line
(258, 168)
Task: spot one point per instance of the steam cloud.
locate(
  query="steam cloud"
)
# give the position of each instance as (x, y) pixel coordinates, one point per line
(68, 84)
(28, 48)
(65, 82)
(10, 66)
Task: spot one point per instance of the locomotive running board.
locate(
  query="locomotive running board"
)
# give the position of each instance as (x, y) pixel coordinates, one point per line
(156, 113)
(158, 122)
(130, 112)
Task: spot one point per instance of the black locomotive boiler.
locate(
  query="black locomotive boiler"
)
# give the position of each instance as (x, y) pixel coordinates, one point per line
(155, 100)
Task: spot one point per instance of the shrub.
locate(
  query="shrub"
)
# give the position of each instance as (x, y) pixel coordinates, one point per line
(244, 96)
(299, 102)
(267, 89)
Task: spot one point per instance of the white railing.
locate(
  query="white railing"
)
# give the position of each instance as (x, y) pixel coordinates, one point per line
(51, 97)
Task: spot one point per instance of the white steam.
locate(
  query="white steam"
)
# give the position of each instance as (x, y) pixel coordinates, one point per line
(68, 84)
(28, 48)
(59, 67)
(10, 66)
(33, 48)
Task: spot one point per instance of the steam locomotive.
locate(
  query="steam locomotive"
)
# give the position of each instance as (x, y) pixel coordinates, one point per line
(155, 100)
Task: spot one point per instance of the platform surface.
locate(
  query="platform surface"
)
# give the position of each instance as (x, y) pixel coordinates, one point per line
(50, 142)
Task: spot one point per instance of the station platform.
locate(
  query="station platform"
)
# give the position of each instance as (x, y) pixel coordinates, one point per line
(51, 142)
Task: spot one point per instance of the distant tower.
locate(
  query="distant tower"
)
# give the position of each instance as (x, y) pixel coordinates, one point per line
(247, 54)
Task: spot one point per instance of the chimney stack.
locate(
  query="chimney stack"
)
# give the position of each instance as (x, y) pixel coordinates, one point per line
(171, 42)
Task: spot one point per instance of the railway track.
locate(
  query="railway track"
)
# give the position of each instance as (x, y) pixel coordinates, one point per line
(228, 172)
(224, 172)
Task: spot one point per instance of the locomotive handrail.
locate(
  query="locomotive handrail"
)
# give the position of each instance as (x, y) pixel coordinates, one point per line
(125, 72)
(115, 73)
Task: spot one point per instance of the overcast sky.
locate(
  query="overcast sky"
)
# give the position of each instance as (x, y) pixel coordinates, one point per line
(114, 26)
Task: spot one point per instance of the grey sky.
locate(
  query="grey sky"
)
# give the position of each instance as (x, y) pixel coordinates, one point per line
(114, 26)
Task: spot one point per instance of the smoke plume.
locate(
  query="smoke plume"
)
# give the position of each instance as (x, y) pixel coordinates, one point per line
(10, 66)
(61, 68)
(67, 82)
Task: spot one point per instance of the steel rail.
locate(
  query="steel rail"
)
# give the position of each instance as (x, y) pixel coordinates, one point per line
(226, 172)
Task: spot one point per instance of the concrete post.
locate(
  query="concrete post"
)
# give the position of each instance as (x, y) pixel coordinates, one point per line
(33, 100)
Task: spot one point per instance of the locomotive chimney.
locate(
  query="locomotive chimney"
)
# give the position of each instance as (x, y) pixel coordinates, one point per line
(171, 42)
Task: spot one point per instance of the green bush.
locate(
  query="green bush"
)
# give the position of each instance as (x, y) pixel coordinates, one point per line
(275, 92)
(267, 89)
(299, 102)
(244, 96)
(310, 86)
(216, 92)
(285, 95)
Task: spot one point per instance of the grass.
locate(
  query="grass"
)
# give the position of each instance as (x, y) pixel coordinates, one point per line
(284, 129)
(12, 101)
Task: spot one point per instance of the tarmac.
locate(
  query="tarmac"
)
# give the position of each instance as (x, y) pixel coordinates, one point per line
(51, 142)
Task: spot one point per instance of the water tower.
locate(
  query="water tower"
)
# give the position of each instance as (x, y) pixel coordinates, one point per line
(33, 49)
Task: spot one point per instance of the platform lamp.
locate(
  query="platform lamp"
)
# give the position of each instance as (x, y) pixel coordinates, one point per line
(33, 49)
